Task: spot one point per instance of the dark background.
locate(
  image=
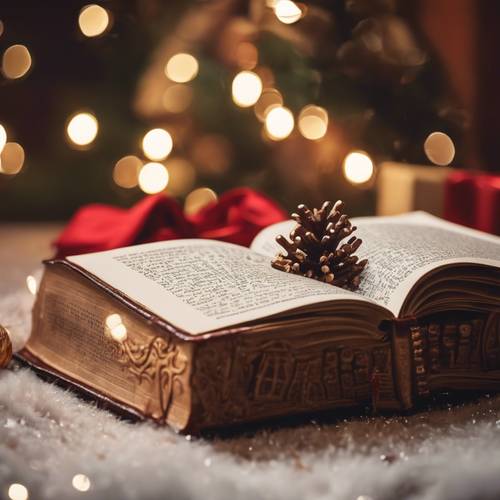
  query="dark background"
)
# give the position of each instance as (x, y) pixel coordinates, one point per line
(385, 104)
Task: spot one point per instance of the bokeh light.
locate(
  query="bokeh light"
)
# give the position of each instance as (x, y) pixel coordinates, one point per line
(11, 158)
(18, 491)
(82, 129)
(16, 61)
(157, 144)
(126, 171)
(268, 99)
(212, 154)
(153, 178)
(279, 123)
(93, 20)
(246, 88)
(266, 76)
(358, 167)
(247, 55)
(113, 320)
(3, 137)
(177, 98)
(198, 199)
(181, 68)
(439, 148)
(31, 284)
(313, 122)
(181, 176)
(287, 12)
(118, 332)
(81, 482)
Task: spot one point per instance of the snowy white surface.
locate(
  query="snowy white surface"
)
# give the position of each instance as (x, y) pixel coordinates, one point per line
(47, 436)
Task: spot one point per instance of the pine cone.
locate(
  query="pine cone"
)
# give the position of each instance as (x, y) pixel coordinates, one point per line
(315, 249)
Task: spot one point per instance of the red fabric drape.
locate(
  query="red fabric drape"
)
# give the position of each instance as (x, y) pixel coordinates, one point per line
(236, 217)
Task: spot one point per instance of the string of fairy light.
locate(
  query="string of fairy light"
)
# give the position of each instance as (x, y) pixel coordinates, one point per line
(154, 170)
(18, 491)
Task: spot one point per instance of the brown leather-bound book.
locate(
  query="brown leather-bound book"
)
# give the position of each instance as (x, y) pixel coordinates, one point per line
(201, 334)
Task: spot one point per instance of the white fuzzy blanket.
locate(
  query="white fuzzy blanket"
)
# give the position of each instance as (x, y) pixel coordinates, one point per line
(47, 436)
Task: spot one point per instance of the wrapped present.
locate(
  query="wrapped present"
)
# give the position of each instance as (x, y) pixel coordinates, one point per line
(460, 196)
(473, 199)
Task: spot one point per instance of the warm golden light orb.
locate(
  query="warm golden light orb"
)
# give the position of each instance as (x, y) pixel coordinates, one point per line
(246, 55)
(266, 76)
(270, 98)
(198, 199)
(80, 482)
(11, 158)
(439, 148)
(113, 320)
(279, 123)
(212, 154)
(3, 137)
(157, 144)
(31, 284)
(246, 88)
(313, 122)
(18, 491)
(118, 331)
(82, 129)
(177, 98)
(153, 178)
(93, 20)
(16, 61)
(181, 176)
(358, 167)
(287, 12)
(182, 68)
(126, 171)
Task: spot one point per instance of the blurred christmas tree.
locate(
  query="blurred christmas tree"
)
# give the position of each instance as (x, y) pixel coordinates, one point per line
(298, 100)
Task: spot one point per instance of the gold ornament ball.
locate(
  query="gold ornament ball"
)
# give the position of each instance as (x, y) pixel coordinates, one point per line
(5, 347)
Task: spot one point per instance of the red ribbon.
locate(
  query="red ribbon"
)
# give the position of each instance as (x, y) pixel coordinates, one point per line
(236, 217)
(473, 200)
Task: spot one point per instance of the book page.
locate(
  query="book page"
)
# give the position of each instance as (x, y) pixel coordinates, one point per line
(203, 285)
(401, 249)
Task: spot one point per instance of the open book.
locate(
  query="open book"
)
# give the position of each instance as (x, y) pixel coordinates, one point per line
(201, 333)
